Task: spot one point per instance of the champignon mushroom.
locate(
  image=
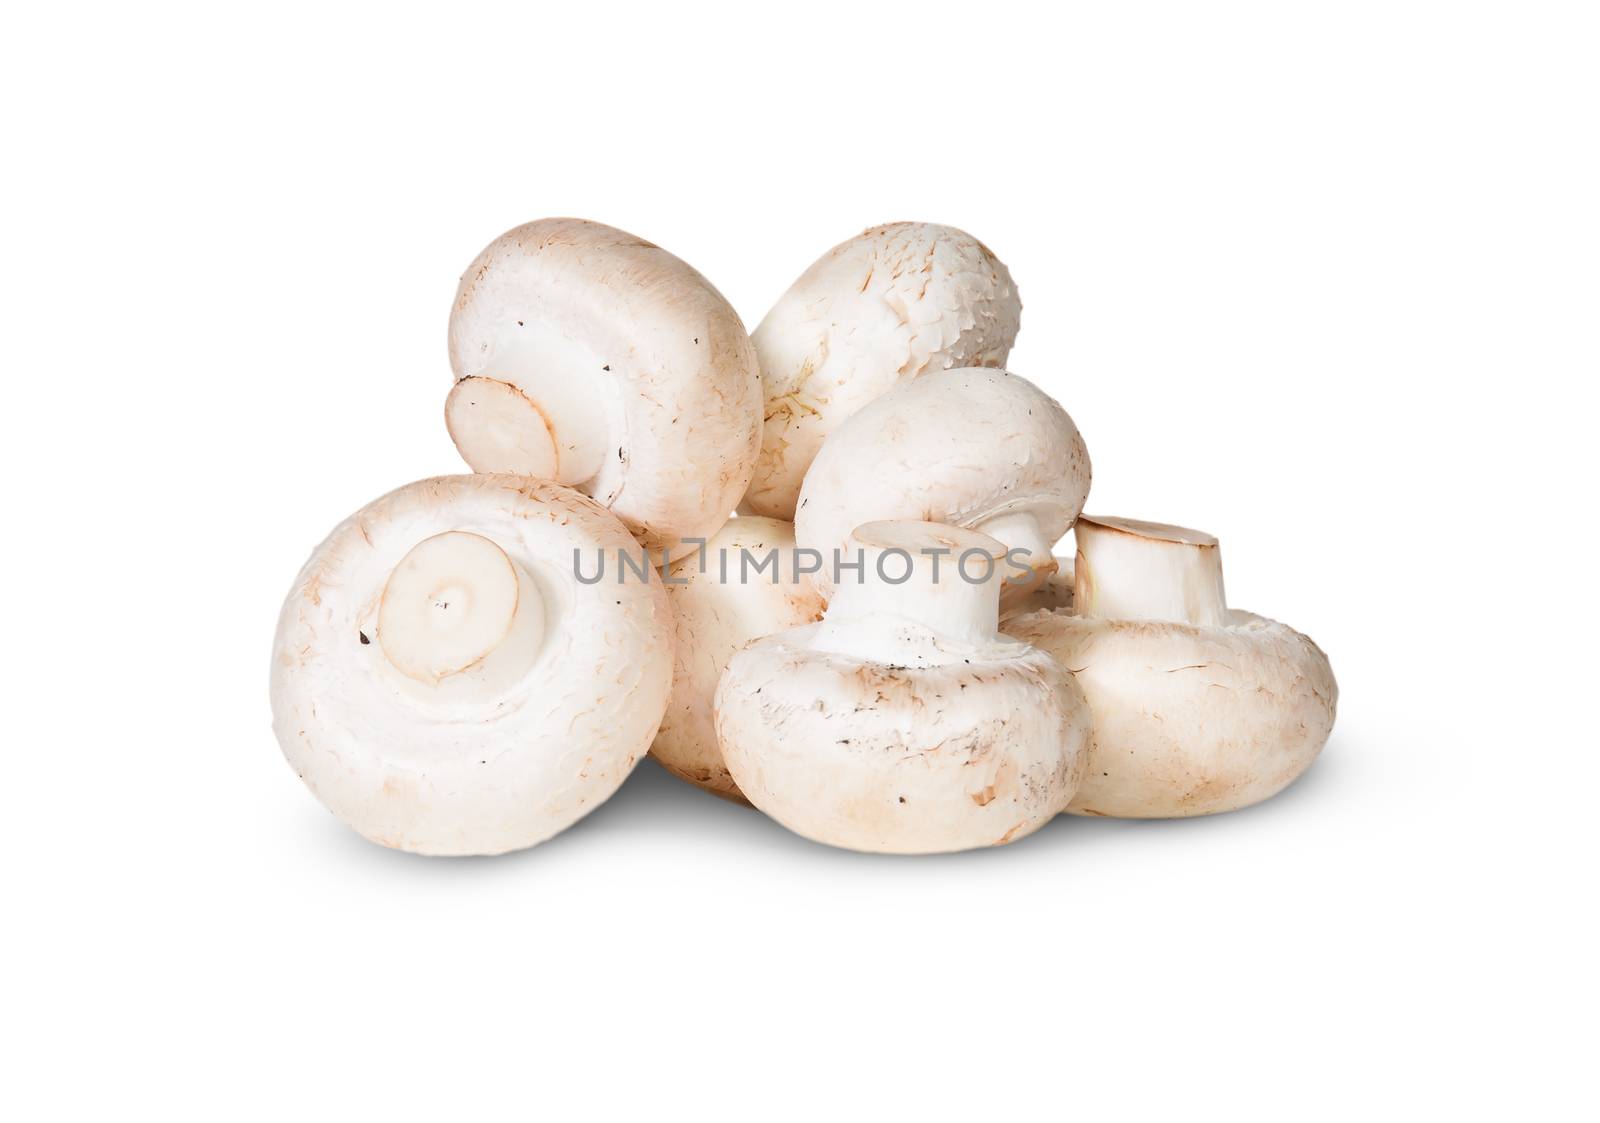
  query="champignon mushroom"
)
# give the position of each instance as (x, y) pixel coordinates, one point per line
(889, 304)
(743, 586)
(972, 447)
(590, 357)
(904, 722)
(1197, 708)
(446, 680)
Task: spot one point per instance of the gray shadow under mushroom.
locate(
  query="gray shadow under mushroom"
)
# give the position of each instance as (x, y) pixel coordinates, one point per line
(653, 805)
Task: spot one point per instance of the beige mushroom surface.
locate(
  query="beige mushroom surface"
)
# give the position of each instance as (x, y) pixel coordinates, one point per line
(973, 447)
(744, 585)
(445, 684)
(1198, 708)
(1049, 589)
(588, 356)
(903, 722)
(890, 304)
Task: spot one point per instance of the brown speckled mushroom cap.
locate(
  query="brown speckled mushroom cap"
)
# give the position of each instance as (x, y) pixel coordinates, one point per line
(892, 303)
(902, 722)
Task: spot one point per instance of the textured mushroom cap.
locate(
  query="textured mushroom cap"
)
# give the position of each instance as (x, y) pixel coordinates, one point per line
(713, 617)
(956, 446)
(648, 350)
(484, 761)
(1190, 720)
(902, 760)
(891, 303)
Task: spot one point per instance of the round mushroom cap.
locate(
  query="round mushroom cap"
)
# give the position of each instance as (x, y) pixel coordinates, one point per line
(604, 362)
(889, 304)
(962, 447)
(722, 599)
(889, 759)
(512, 733)
(1188, 719)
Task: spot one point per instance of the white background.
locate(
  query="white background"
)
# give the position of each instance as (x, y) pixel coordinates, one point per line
(1320, 279)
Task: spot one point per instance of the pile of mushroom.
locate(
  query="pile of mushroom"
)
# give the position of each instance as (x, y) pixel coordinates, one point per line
(886, 648)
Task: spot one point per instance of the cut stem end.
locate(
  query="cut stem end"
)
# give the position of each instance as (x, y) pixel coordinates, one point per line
(453, 600)
(1127, 569)
(497, 428)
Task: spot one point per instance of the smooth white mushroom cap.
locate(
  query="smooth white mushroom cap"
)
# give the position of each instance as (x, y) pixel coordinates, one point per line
(589, 356)
(972, 447)
(729, 595)
(1190, 717)
(891, 303)
(443, 682)
(913, 727)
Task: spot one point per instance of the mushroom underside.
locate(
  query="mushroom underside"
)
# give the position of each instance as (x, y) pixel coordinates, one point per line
(1190, 720)
(896, 760)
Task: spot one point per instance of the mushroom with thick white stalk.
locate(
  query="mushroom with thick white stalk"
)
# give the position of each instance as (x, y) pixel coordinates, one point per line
(744, 585)
(588, 356)
(1198, 708)
(973, 447)
(447, 679)
(904, 722)
(889, 304)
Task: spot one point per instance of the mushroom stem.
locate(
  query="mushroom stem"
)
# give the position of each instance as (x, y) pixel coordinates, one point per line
(456, 602)
(1020, 531)
(546, 420)
(937, 579)
(1127, 569)
(499, 429)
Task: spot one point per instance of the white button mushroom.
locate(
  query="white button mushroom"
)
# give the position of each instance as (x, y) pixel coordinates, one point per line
(591, 357)
(447, 678)
(742, 587)
(889, 304)
(973, 447)
(1197, 709)
(904, 722)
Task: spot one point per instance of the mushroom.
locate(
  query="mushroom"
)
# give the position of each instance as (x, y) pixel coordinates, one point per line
(972, 447)
(447, 680)
(889, 304)
(904, 722)
(1197, 708)
(743, 586)
(590, 357)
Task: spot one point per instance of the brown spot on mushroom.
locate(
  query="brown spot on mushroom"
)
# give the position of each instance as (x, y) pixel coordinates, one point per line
(1009, 835)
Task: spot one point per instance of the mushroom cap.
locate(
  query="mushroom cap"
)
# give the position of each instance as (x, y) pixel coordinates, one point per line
(713, 617)
(648, 353)
(955, 446)
(1190, 720)
(889, 304)
(493, 758)
(889, 759)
